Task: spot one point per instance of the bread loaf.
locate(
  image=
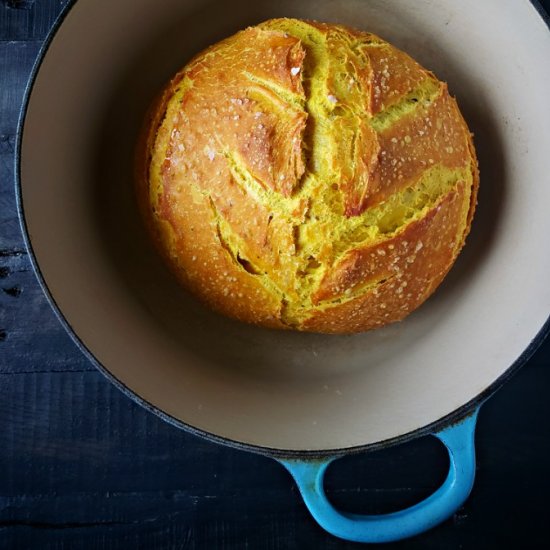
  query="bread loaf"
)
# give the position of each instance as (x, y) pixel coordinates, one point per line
(302, 175)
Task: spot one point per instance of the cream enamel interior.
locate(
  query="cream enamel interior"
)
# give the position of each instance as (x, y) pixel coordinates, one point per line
(276, 389)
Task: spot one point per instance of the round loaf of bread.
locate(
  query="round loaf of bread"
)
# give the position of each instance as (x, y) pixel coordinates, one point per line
(308, 176)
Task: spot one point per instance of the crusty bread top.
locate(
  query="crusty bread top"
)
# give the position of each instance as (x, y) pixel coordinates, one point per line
(307, 175)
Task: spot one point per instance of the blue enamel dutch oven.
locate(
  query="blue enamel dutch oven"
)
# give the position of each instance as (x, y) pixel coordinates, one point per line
(304, 399)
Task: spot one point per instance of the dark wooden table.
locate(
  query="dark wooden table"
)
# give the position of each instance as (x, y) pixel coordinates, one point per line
(82, 466)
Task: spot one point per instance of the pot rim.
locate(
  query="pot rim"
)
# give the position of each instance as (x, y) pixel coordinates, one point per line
(435, 426)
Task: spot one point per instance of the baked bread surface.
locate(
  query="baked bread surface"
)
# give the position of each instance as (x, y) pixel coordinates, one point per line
(308, 176)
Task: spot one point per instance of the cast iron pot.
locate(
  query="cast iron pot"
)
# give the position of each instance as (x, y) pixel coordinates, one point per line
(304, 399)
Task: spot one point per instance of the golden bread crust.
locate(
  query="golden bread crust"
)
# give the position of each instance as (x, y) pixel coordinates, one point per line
(308, 176)
(378, 284)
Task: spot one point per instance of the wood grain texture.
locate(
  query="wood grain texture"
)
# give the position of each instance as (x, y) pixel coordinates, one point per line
(82, 466)
(23, 20)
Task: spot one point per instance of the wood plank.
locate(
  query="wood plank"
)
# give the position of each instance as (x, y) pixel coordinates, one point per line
(22, 344)
(30, 22)
(130, 473)
(16, 61)
(20, 295)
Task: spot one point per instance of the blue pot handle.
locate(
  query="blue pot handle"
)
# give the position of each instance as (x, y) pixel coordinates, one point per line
(459, 440)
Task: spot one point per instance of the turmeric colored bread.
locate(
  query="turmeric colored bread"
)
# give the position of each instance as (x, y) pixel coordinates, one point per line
(308, 176)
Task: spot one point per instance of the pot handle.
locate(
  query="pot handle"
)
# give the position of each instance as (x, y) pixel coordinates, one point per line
(459, 440)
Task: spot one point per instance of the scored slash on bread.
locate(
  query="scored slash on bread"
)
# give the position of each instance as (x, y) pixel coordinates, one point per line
(308, 176)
